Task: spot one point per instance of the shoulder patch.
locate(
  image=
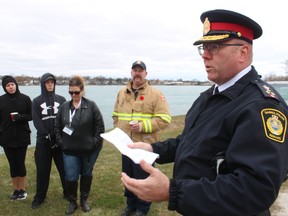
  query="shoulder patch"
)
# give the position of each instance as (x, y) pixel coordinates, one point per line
(275, 124)
(267, 90)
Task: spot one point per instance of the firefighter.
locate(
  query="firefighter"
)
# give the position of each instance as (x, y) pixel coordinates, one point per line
(141, 111)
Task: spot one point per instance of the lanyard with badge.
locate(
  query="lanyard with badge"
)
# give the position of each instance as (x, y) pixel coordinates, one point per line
(68, 129)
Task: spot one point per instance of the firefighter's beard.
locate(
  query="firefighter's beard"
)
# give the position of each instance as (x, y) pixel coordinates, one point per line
(138, 81)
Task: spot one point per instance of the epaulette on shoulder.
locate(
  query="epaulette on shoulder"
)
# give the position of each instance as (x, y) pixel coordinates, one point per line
(266, 89)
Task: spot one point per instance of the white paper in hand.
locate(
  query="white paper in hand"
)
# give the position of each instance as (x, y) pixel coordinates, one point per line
(121, 140)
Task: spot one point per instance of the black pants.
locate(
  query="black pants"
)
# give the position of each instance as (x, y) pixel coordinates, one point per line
(16, 158)
(44, 153)
(265, 213)
(134, 171)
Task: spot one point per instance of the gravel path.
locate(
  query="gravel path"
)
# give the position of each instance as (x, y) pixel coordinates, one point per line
(280, 207)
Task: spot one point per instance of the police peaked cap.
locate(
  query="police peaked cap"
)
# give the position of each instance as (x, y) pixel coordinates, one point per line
(221, 25)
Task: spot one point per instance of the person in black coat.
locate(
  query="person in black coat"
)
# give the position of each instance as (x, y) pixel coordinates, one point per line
(15, 133)
(44, 110)
(78, 126)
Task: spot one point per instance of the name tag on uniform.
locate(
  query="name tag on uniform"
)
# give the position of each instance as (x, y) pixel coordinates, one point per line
(68, 130)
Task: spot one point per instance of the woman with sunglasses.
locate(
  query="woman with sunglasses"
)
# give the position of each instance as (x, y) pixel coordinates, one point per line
(78, 126)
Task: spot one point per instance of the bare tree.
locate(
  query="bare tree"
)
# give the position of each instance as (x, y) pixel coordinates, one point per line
(286, 66)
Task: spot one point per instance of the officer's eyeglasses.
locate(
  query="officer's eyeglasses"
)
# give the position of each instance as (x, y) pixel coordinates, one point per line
(213, 48)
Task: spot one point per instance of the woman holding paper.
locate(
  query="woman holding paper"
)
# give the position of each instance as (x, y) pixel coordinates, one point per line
(78, 126)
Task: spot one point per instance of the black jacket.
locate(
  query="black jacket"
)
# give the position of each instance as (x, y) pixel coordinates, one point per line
(45, 107)
(87, 124)
(15, 133)
(246, 125)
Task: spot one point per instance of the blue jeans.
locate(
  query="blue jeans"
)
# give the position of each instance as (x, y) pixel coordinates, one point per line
(79, 165)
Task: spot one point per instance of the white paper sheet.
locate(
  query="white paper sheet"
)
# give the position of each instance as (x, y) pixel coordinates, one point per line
(121, 140)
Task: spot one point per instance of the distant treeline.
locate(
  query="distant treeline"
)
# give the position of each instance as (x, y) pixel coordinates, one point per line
(101, 80)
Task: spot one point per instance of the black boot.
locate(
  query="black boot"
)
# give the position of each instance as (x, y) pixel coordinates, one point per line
(71, 189)
(85, 186)
(65, 194)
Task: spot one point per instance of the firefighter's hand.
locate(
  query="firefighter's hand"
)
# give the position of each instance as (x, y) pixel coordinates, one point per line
(136, 127)
(141, 145)
(148, 189)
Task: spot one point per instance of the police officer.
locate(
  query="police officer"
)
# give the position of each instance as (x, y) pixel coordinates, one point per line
(231, 157)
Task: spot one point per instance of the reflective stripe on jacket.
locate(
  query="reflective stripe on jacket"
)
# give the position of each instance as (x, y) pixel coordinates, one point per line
(147, 105)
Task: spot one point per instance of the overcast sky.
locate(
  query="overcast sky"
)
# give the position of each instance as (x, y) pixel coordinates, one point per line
(104, 37)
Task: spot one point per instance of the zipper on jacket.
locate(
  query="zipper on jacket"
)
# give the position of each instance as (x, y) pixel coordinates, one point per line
(135, 98)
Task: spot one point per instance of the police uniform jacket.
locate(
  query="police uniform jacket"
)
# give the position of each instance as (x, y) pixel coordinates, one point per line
(246, 126)
(147, 105)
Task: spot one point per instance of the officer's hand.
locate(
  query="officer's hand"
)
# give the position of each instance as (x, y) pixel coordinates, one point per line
(148, 189)
(141, 145)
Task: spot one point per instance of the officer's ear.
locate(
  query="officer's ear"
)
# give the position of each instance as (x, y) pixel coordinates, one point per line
(245, 53)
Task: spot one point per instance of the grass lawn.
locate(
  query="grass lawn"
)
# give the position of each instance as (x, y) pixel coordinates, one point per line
(106, 196)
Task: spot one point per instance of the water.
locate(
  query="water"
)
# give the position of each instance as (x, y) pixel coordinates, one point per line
(282, 88)
(180, 99)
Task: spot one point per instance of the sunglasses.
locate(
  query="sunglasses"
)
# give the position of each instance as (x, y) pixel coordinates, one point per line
(74, 92)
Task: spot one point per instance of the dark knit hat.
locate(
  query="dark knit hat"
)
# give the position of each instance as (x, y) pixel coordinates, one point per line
(8, 79)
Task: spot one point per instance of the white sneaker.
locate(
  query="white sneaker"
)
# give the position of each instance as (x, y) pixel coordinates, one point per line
(14, 195)
(21, 195)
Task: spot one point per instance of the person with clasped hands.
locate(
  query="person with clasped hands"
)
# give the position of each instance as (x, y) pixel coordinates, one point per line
(44, 111)
(15, 133)
(78, 126)
(231, 157)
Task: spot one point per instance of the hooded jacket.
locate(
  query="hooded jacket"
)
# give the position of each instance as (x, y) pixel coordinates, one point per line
(45, 108)
(14, 133)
